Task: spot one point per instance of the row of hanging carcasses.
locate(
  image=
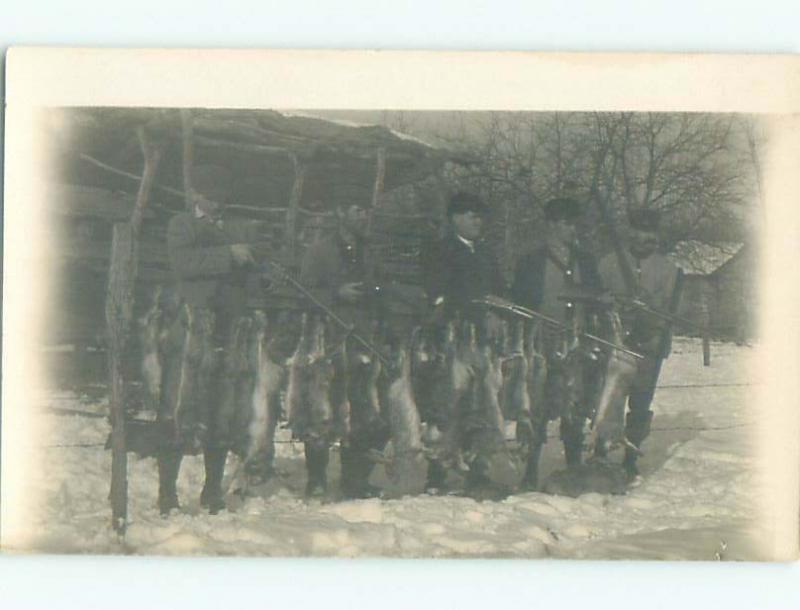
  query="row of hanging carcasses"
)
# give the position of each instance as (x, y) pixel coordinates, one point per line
(430, 392)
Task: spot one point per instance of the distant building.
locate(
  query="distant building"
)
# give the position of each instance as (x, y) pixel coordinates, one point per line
(720, 288)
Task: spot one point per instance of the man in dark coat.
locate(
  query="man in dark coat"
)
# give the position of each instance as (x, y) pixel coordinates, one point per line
(656, 283)
(210, 259)
(460, 268)
(335, 268)
(543, 280)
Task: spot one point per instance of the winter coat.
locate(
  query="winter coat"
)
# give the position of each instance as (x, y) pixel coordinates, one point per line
(540, 278)
(655, 278)
(328, 264)
(201, 260)
(454, 275)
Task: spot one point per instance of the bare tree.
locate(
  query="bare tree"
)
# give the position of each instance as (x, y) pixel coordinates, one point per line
(689, 166)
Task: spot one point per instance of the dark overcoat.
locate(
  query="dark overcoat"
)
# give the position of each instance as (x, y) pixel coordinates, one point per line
(455, 274)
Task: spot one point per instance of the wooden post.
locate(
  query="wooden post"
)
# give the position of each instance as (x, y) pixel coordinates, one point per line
(705, 313)
(294, 204)
(187, 133)
(380, 174)
(119, 314)
(377, 188)
(119, 306)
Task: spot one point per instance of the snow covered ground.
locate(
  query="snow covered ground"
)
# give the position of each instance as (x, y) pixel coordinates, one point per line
(696, 500)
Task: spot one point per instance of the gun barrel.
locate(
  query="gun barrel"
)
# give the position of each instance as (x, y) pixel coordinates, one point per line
(329, 312)
(669, 317)
(532, 314)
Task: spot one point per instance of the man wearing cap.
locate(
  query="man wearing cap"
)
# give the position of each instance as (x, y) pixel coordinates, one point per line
(654, 281)
(337, 270)
(458, 269)
(543, 281)
(210, 259)
(461, 267)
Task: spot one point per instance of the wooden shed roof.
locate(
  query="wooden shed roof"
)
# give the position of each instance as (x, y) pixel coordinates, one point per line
(257, 146)
(698, 258)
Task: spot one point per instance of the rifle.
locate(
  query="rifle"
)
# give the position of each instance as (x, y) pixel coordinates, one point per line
(624, 299)
(274, 269)
(663, 315)
(532, 314)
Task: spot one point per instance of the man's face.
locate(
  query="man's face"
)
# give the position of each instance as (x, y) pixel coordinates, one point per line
(643, 243)
(212, 209)
(354, 219)
(562, 231)
(468, 225)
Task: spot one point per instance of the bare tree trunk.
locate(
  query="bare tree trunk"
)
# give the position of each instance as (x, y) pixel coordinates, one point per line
(377, 187)
(119, 314)
(603, 204)
(294, 205)
(187, 136)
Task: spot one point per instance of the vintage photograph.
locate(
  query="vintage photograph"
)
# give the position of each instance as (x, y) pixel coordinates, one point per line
(394, 333)
(382, 310)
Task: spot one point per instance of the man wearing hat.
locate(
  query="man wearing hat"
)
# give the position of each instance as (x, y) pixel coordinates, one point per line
(458, 269)
(210, 259)
(655, 282)
(544, 280)
(338, 271)
(461, 267)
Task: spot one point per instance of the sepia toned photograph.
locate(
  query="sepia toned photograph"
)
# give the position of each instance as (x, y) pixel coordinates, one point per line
(376, 332)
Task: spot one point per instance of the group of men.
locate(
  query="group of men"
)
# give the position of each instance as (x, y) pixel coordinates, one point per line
(562, 280)
(211, 258)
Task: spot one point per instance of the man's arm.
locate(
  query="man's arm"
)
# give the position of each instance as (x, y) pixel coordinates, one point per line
(188, 259)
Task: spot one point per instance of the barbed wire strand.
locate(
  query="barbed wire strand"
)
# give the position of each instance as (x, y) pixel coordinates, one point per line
(336, 446)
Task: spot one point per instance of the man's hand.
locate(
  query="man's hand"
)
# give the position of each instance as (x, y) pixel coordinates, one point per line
(351, 292)
(242, 255)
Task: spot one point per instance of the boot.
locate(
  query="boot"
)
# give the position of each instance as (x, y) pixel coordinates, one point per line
(637, 428)
(211, 497)
(437, 477)
(629, 465)
(478, 475)
(572, 453)
(356, 470)
(572, 436)
(530, 480)
(479, 486)
(316, 466)
(169, 463)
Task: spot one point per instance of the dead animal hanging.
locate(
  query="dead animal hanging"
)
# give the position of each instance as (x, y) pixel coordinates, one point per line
(516, 400)
(340, 394)
(449, 377)
(363, 373)
(228, 419)
(184, 398)
(535, 379)
(608, 425)
(264, 405)
(407, 452)
(310, 412)
(151, 330)
(491, 440)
